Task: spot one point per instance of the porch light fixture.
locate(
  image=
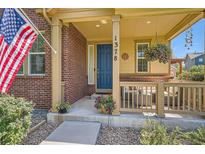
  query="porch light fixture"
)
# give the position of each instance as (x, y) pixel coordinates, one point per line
(97, 25)
(148, 22)
(104, 21)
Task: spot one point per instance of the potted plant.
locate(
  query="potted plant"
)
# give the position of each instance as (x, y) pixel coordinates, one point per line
(161, 52)
(105, 104)
(63, 107)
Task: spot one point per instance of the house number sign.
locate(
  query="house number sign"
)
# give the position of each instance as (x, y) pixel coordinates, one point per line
(116, 46)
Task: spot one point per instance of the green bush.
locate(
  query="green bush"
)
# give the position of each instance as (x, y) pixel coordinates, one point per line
(64, 107)
(197, 73)
(14, 119)
(156, 133)
(195, 137)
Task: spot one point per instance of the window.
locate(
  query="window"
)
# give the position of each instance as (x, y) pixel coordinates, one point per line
(36, 58)
(21, 70)
(142, 63)
(90, 64)
(200, 60)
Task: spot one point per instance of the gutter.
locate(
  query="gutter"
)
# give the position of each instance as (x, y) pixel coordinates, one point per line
(46, 16)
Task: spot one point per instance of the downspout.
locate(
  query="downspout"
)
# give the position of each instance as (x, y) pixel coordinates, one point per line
(46, 16)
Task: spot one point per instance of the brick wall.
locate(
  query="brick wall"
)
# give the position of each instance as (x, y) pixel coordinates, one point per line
(74, 64)
(37, 89)
(91, 89)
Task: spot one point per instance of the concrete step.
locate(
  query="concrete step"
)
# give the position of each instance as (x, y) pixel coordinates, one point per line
(127, 120)
(74, 132)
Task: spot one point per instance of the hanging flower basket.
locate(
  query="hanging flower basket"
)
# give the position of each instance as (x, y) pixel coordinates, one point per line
(159, 52)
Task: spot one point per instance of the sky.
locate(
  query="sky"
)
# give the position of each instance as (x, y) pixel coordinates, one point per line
(177, 44)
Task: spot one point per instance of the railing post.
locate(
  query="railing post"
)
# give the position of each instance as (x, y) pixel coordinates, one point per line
(160, 100)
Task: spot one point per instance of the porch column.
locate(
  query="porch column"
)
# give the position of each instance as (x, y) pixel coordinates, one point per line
(56, 62)
(204, 69)
(116, 62)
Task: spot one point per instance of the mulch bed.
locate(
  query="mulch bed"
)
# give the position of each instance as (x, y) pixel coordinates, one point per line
(118, 136)
(42, 132)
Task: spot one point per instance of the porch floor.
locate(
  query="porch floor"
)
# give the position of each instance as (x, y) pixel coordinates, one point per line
(84, 110)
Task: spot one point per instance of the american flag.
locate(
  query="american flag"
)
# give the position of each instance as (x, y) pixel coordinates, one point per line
(16, 39)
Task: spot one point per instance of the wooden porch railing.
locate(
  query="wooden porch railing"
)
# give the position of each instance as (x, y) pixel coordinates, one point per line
(138, 97)
(163, 98)
(185, 97)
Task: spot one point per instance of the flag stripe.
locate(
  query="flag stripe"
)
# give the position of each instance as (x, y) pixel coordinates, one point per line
(11, 67)
(18, 64)
(4, 49)
(16, 39)
(10, 60)
(1, 41)
(11, 52)
(7, 53)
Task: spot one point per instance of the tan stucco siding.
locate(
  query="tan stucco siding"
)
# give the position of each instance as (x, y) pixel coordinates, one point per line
(128, 45)
(159, 68)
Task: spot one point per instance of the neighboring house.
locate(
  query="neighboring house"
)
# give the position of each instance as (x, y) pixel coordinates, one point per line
(96, 50)
(194, 59)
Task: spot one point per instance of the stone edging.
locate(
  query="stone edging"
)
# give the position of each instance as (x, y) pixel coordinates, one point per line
(36, 126)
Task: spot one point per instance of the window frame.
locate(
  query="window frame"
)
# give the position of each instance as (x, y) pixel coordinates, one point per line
(148, 63)
(29, 65)
(23, 71)
(88, 67)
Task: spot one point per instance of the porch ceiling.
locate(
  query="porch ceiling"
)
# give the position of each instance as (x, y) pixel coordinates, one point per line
(166, 22)
(131, 27)
(163, 25)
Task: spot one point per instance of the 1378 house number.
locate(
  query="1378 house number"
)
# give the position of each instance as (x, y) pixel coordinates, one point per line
(116, 45)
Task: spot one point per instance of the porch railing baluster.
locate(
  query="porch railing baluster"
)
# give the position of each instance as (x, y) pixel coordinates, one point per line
(156, 97)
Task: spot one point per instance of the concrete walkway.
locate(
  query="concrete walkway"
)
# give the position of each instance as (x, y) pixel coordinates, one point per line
(74, 132)
(84, 110)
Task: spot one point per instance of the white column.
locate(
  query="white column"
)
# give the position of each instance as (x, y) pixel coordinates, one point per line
(116, 63)
(204, 68)
(56, 62)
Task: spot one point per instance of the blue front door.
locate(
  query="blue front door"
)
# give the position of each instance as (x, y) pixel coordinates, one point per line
(104, 66)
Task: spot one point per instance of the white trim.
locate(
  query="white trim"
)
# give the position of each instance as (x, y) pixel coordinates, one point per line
(23, 71)
(29, 65)
(88, 65)
(136, 65)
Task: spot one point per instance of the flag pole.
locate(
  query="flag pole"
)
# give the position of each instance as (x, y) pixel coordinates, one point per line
(20, 11)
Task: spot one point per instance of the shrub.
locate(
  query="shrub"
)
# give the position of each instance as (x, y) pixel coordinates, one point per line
(14, 119)
(197, 73)
(64, 107)
(105, 104)
(155, 133)
(195, 137)
(184, 76)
